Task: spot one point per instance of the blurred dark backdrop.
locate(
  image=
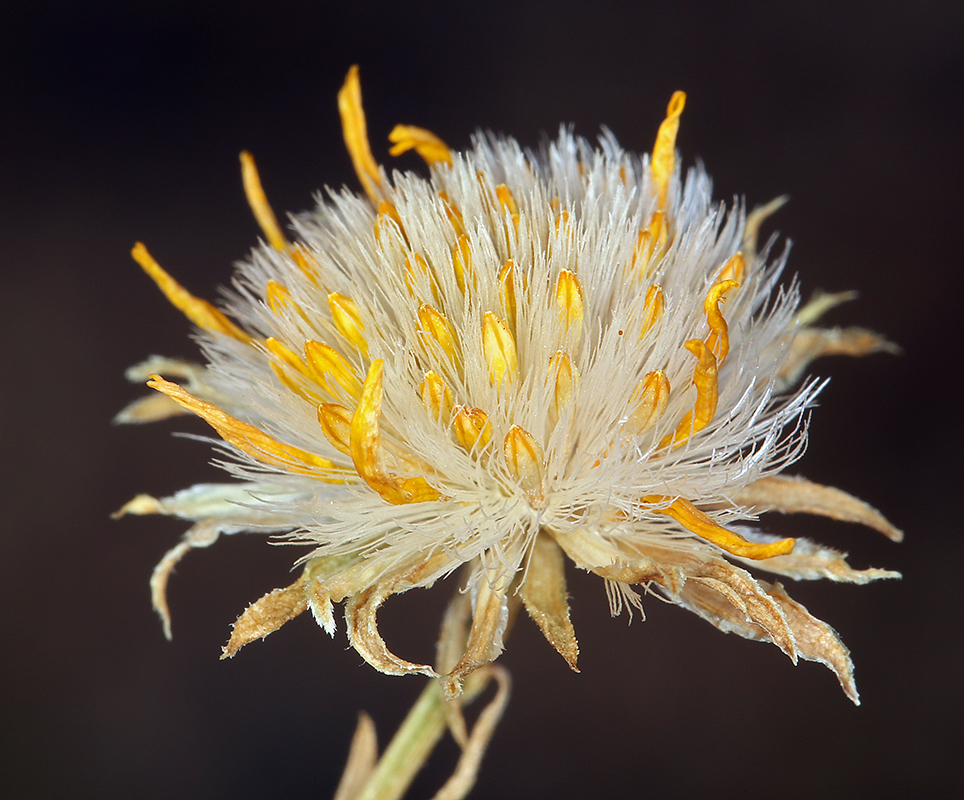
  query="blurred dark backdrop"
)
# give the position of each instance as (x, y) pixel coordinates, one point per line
(122, 121)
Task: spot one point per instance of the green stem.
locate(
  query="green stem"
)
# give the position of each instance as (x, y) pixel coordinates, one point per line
(410, 747)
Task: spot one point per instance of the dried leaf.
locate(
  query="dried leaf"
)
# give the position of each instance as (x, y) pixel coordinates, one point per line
(319, 601)
(484, 644)
(451, 644)
(810, 561)
(751, 230)
(812, 343)
(817, 641)
(234, 506)
(362, 758)
(266, 615)
(820, 303)
(544, 594)
(590, 551)
(203, 534)
(793, 495)
(156, 406)
(454, 631)
(731, 599)
(149, 409)
(467, 769)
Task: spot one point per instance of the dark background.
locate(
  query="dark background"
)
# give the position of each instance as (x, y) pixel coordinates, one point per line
(123, 121)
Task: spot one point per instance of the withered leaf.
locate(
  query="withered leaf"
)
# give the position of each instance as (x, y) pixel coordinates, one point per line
(266, 615)
(545, 597)
(795, 495)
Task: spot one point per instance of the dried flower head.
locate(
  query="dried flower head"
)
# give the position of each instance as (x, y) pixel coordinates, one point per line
(524, 357)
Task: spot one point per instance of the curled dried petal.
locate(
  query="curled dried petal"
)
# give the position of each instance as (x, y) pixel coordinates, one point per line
(360, 616)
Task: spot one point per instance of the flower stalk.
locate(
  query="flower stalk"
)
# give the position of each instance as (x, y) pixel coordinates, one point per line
(409, 749)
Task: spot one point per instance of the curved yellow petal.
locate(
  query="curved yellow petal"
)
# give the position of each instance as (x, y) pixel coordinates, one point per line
(719, 340)
(199, 311)
(705, 376)
(256, 443)
(700, 523)
(260, 207)
(356, 134)
(365, 447)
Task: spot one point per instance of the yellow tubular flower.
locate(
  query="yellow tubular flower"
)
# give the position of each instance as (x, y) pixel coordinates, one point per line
(664, 151)
(511, 360)
(425, 143)
(200, 312)
(259, 203)
(356, 134)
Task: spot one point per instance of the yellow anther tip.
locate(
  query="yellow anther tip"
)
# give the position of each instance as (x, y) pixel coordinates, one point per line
(676, 104)
(663, 160)
(471, 428)
(409, 137)
(355, 133)
(696, 347)
(498, 347)
(524, 459)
